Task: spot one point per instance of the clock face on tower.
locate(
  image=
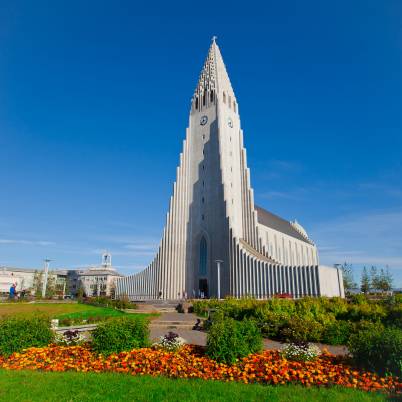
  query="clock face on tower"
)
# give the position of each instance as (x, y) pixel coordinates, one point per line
(230, 122)
(203, 120)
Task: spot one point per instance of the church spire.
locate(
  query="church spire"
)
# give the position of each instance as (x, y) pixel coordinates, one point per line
(213, 81)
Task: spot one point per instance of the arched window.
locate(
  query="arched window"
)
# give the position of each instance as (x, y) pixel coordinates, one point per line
(224, 97)
(203, 257)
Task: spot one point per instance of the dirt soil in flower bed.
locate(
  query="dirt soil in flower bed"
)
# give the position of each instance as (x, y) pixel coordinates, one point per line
(267, 367)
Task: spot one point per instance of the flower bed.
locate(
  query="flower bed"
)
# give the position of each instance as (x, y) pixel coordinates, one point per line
(267, 367)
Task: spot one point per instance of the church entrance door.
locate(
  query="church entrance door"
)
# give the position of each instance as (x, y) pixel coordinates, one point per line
(203, 286)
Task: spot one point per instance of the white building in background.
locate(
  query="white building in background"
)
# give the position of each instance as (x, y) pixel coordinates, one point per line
(95, 281)
(98, 280)
(24, 279)
(212, 217)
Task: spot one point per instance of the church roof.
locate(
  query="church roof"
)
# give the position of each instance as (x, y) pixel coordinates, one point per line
(275, 222)
(214, 76)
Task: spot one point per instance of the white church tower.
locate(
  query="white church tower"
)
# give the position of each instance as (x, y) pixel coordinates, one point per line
(212, 217)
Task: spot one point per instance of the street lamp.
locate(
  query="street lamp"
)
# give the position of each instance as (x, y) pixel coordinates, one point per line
(218, 266)
(46, 269)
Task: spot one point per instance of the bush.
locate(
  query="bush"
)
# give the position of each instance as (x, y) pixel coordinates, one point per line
(272, 323)
(229, 340)
(120, 334)
(302, 330)
(336, 333)
(17, 333)
(378, 349)
(394, 316)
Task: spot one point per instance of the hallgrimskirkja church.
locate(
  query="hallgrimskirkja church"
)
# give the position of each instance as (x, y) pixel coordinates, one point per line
(216, 241)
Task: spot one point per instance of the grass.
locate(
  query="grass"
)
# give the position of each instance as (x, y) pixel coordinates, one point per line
(71, 386)
(73, 311)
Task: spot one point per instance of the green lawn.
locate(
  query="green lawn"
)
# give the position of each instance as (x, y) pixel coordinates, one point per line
(61, 310)
(70, 386)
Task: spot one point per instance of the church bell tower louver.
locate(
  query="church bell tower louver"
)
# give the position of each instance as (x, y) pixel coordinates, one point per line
(212, 216)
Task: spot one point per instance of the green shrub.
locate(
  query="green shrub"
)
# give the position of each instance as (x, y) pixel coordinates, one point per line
(302, 329)
(321, 319)
(378, 349)
(272, 323)
(336, 332)
(394, 316)
(365, 311)
(229, 340)
(18, 333)
(120, 334)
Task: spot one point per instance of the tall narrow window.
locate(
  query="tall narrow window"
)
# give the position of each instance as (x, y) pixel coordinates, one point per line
(203, 257)
(212, 95)
(224, 97)
(196, 103)
(234, 106)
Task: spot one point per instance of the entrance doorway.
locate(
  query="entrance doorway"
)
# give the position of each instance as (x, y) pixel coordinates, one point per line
(203, 286)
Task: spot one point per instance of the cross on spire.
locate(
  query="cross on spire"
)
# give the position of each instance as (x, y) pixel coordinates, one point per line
(214, 38)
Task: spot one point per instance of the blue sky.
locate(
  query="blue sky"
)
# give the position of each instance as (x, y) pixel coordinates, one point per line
(94, 102)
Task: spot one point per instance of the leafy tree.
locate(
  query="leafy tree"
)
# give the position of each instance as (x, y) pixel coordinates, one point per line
(51, 285)
(37, 283)
(347, 273)
(365, 281)
(375, 278)
(385, 279)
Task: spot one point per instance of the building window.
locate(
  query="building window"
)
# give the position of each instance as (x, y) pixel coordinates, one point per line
(203, 257)
(203, 200)
(224, 97)
(212, 96)
(203, 217)
(234, 106)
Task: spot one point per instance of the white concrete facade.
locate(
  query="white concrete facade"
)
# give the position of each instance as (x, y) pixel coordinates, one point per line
(212, 216)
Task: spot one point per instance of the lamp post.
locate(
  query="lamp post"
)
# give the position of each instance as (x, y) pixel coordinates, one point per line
(218, 266)
(46, 271)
